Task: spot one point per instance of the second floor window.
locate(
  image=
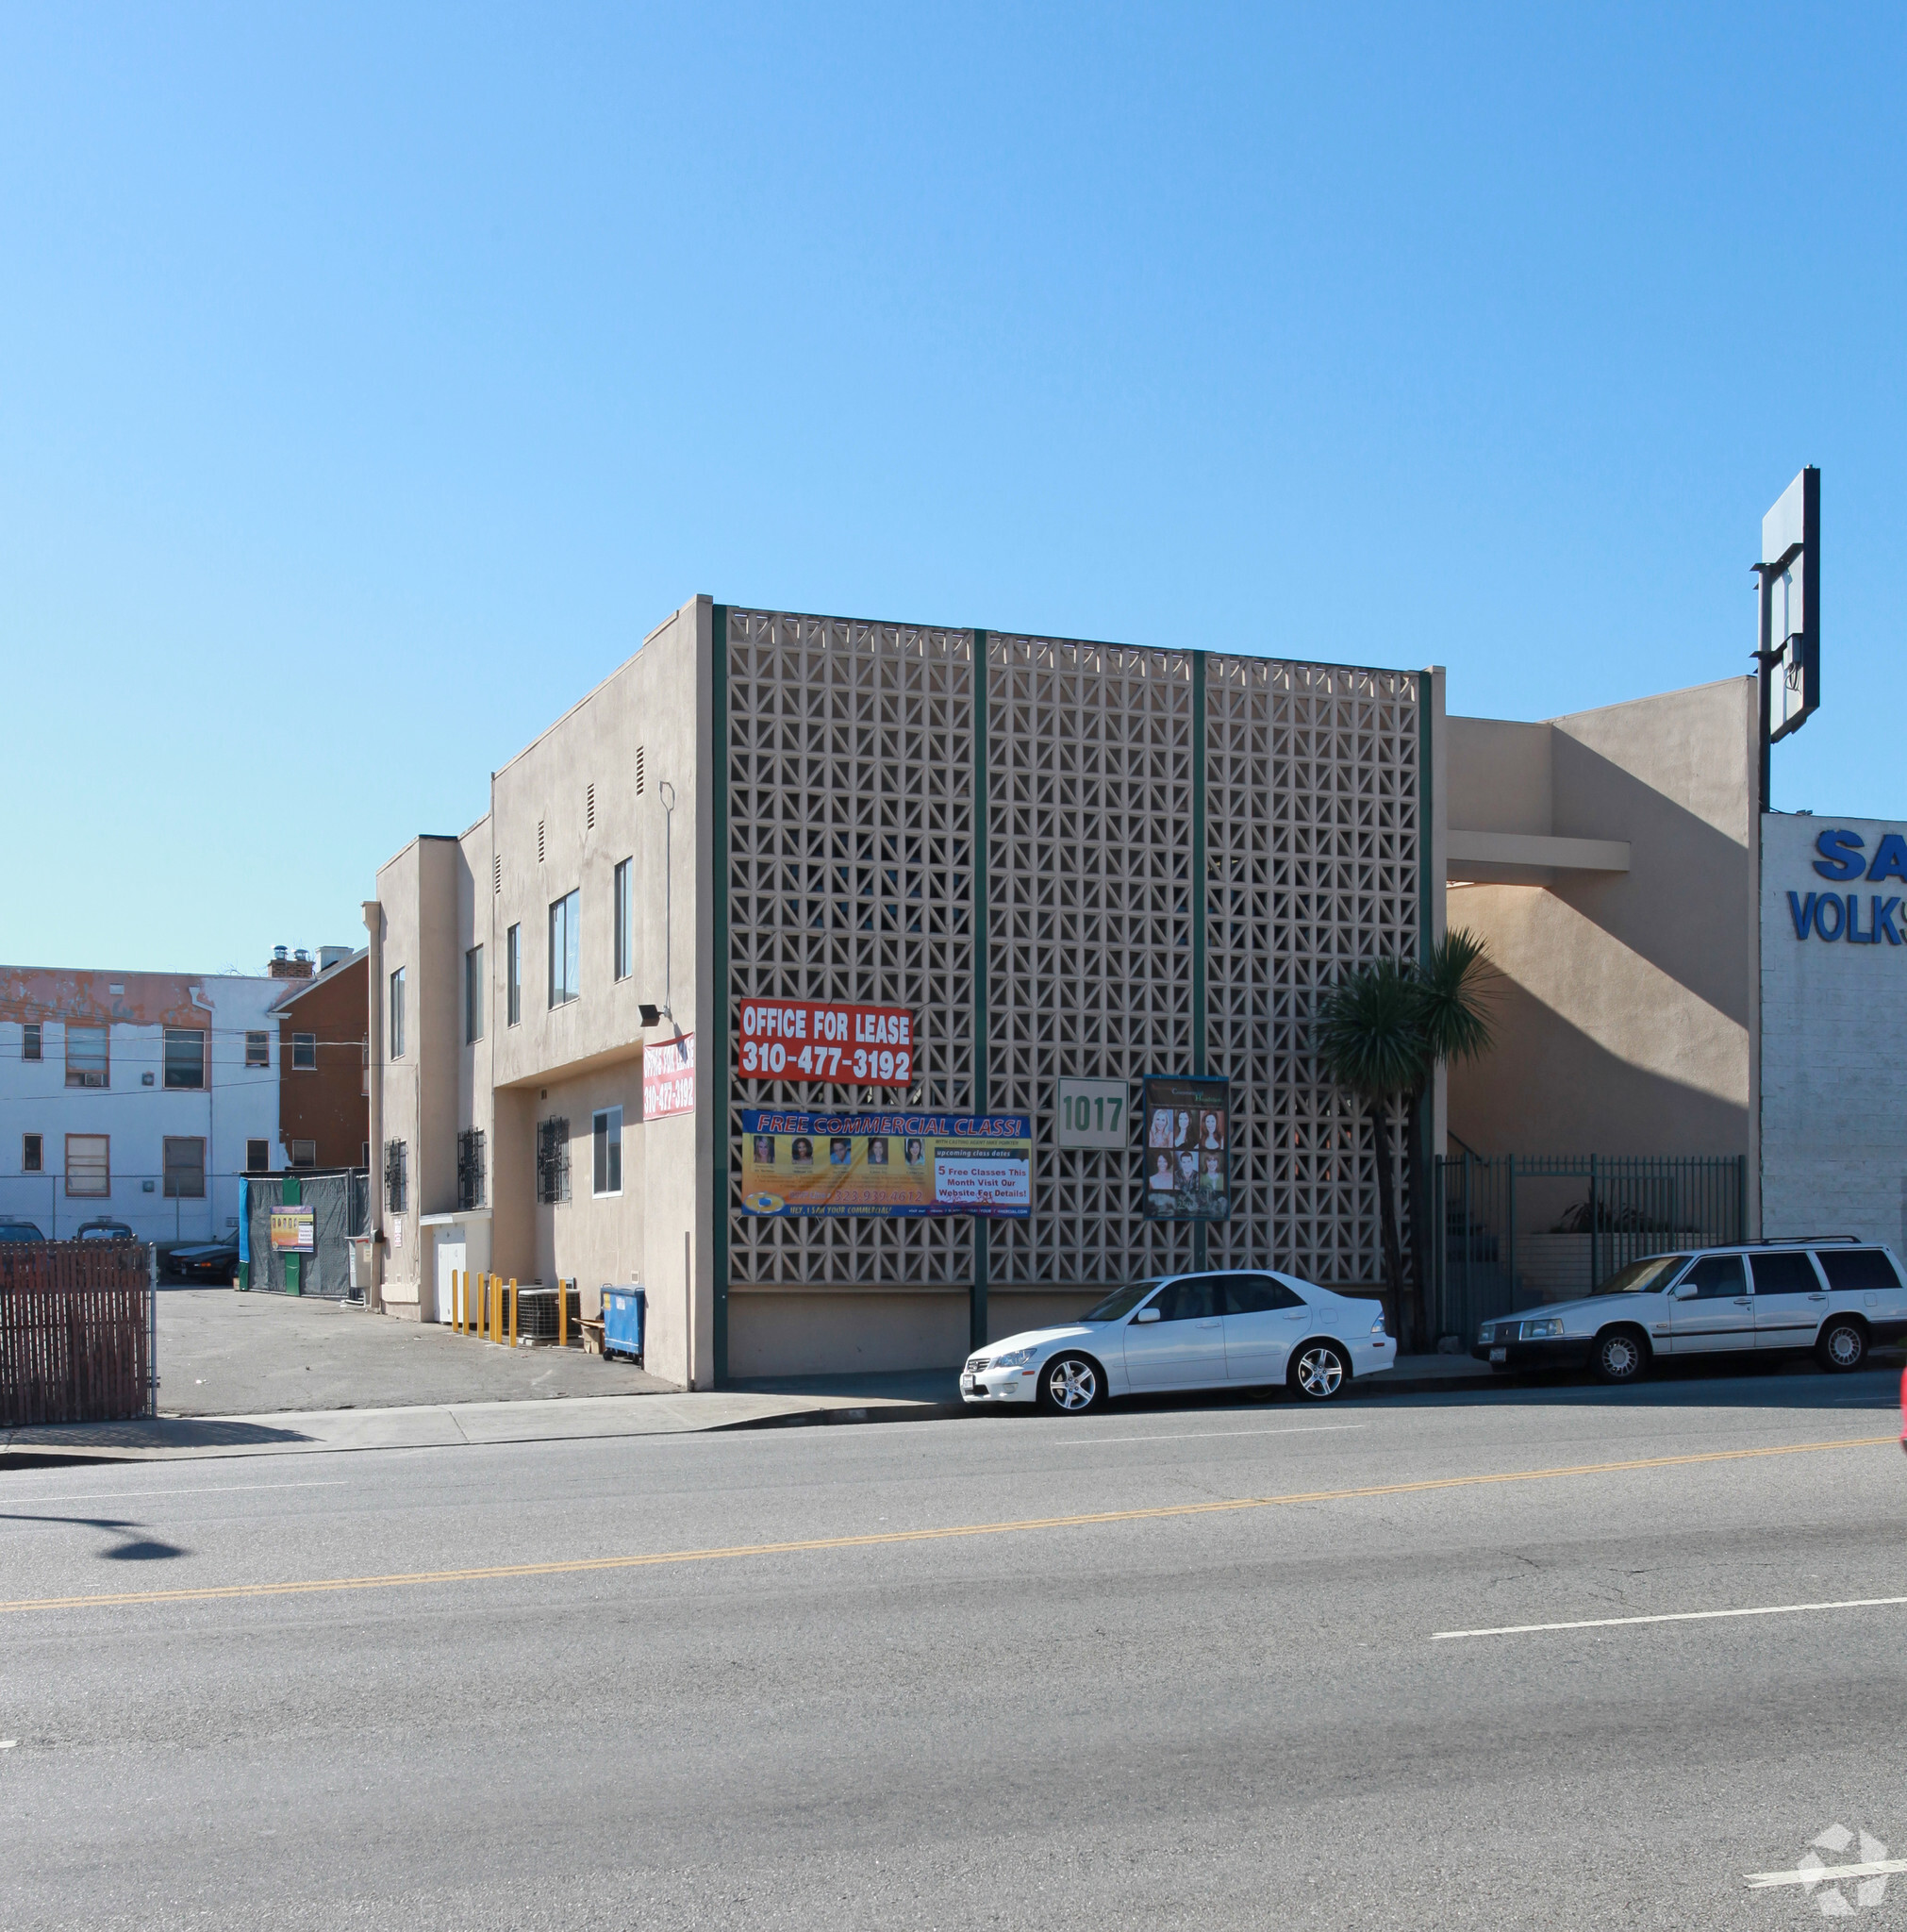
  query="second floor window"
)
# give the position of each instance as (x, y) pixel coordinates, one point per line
(397, 1021)
(624, 918)
(257, 1156)
(473, 993)
(565, 948)
(513, 975)
(29, 1040)
(258, 1049)
(305, 1053)
(85, 1057)
(185, 1056)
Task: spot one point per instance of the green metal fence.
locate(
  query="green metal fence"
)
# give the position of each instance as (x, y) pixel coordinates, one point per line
(1513, 1230)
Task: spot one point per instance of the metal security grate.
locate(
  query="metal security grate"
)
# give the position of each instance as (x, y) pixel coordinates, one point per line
(396, 1181)
(470, 1167)
(553, 1161)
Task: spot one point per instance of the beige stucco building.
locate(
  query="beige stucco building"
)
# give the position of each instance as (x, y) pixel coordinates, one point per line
(1062, 858)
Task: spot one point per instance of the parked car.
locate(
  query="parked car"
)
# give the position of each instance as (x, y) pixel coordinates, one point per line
(103, 1229)
(1837, 1298)
(216, 1260)
(1230, 1329)
(20, 1231)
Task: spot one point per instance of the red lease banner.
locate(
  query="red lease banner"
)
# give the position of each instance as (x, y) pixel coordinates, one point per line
(815, 1039)
(669, 1076)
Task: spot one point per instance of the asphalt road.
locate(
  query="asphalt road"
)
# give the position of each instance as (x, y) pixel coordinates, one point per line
(924, 1713)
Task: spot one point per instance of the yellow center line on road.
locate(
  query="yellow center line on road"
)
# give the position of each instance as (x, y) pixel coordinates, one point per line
(577, 1566)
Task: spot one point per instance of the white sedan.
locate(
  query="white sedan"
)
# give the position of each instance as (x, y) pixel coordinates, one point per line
(1225, 1329)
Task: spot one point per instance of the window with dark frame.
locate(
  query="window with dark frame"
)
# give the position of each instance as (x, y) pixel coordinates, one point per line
(258, 1049)
(474, 994)
(185, 1164)
(29, 1040)
(565, 947)
(513, 975)
(185, 1056)
(397, 1014)
(624, 914)
(88, 1056)
(305, 1053)
(304, 1153)
(257, 1156)
(32, 1154)
(395, 1192)
(470, 1167)
(553, 1161)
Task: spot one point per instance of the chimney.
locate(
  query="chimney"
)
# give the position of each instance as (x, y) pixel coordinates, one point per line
(284, 967)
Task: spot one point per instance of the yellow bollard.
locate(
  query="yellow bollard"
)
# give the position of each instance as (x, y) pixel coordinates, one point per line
(562, 1313)
(513, 1311)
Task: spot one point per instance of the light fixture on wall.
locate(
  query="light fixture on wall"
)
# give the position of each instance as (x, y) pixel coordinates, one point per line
(652, 1016)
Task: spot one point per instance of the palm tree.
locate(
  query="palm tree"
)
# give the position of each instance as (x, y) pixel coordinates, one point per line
(1382, 1033)
(1370, 1040)
(1455, 987)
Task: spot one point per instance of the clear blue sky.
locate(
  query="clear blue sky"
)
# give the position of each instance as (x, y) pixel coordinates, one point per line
(371, 379)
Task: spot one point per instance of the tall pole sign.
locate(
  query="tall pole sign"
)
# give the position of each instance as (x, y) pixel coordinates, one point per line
(1789, 574)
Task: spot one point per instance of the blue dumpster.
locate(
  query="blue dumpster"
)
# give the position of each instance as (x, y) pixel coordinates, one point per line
(623, 1316)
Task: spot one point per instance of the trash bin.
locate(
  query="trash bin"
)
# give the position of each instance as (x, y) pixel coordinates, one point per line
(624, 1309)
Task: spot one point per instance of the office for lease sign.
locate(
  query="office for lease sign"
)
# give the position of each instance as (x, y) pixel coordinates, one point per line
(669, 1076)
(820, 1039)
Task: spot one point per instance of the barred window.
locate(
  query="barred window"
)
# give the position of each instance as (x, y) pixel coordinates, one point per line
(553, 1161)
(470, 1167)
(395, 1192)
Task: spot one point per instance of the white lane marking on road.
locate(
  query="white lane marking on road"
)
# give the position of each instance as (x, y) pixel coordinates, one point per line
(1823, 1875)
(1853, 1603)
(161, 1496)
(8, 1743)
(1208, 1435)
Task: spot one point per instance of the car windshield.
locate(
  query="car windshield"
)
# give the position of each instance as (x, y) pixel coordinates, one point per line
(1640, 1277)
(1121, 1300)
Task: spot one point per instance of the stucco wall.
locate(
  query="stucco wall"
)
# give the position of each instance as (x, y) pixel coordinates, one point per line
(1629, 1002)
(1834, 1121)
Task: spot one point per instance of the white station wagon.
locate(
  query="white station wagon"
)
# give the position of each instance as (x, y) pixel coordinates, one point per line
(1215, 1330)
(1836, 1297)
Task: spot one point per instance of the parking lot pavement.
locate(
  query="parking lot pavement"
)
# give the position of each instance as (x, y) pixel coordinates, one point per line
(221, 1352)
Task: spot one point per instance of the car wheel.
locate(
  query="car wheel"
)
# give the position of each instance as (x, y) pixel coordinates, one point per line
(1319, 1370)
(1620, 1355)
(1843, 1346)
(1072, 1385)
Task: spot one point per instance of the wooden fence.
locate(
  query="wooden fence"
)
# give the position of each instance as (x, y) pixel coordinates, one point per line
(75, 1332)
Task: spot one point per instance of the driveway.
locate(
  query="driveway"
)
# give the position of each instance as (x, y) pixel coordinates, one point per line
(222, 1353)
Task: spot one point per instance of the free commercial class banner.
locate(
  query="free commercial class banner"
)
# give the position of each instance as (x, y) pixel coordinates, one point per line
(887, 1164)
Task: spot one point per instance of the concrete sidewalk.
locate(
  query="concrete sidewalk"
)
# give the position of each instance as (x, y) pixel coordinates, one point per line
(919, 1395)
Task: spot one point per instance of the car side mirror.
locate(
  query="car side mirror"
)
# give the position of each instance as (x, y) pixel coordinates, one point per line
(1146, 1315)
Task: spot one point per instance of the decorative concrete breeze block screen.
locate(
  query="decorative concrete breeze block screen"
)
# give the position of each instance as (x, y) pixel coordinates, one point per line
(852, 877)
(1312, 827)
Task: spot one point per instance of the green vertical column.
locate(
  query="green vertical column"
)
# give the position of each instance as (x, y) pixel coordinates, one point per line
(291, 1194)
(719, 1069)
(1197, 900)
(976, 1304)
(1424, 1153)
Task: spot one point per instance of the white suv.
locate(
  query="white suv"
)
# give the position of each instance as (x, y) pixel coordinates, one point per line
(1837, 1297)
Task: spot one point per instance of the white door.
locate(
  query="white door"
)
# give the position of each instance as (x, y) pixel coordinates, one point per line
(1715, 1313)
(451, 1250)
(1185, 1347)
(1263, 1318)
